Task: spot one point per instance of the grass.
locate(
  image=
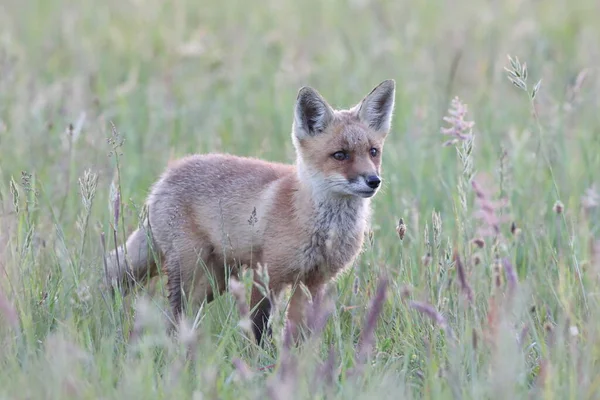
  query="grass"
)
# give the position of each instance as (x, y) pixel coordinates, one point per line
(482, 298)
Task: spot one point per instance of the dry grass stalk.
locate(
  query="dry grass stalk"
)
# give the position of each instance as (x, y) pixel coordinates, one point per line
(462, 277)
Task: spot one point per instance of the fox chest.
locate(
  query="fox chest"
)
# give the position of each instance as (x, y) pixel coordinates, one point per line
(335, 240)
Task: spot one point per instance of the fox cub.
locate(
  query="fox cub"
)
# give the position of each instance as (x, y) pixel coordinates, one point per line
(308, 220)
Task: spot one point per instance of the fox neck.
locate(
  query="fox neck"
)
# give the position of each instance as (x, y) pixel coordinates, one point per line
(335, 224)
(330, 210)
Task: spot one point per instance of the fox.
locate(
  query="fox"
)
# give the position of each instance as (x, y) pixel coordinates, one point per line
(303, 222)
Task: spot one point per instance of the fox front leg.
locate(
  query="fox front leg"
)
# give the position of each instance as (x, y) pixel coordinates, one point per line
(298, 309)
(261, 311)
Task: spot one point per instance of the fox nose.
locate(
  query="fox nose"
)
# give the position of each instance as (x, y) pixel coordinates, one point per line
(373, 181)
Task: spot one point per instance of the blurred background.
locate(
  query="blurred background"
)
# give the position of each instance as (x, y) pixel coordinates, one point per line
(178, 77)
(182, 76)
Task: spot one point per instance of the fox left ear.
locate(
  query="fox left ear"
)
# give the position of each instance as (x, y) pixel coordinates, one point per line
(312, 114)
(377, 107)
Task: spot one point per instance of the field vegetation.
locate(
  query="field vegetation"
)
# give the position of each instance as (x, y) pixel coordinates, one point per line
(480, 276)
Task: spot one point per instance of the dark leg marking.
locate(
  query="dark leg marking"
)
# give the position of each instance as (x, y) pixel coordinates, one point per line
(260, 319)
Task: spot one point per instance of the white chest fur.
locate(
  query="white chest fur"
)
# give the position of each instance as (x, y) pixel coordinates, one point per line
(336, 232)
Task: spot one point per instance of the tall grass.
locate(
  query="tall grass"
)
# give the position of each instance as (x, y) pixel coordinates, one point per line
(480, 276)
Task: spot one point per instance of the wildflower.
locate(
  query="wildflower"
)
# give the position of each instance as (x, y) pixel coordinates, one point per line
(326, 372)
(430, 311)
(488, 211)
(459, 129)
(368, 333)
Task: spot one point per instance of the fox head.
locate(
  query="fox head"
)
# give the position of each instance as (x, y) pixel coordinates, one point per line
(339, 151)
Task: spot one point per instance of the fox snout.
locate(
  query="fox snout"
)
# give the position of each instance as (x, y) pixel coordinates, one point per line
(373, 181)
(364, 185)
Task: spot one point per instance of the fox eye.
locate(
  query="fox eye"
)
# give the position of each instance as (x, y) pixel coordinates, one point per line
(340, 155)
(374, 152)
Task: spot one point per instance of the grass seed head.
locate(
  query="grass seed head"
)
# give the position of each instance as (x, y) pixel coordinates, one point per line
(558, 207)
(401, 228)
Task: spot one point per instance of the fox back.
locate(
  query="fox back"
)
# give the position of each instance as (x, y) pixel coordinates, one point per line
(210, 214)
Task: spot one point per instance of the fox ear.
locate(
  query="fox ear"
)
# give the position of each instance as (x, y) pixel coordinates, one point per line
(377, 107)
(312, 113)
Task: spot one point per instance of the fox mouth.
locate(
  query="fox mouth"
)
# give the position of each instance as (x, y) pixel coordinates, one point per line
(366, 193)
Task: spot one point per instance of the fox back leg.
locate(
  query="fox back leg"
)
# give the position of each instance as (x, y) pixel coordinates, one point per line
(193, 274)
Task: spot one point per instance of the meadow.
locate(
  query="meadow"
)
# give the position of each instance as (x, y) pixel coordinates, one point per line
(480, 274)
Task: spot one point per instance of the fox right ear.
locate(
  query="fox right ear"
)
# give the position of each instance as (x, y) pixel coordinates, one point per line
(377, 108)
(312, 114)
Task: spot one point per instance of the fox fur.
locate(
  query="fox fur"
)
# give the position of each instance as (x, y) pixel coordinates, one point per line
(304, 222)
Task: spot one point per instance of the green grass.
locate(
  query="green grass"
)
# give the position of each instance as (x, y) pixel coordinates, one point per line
(183, 76)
